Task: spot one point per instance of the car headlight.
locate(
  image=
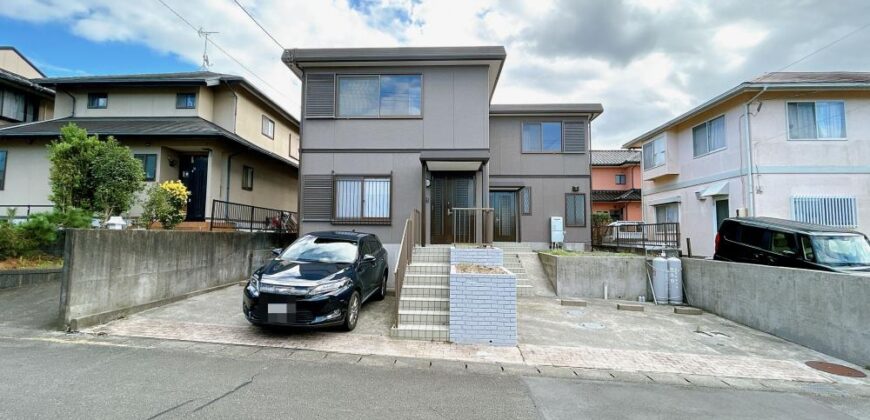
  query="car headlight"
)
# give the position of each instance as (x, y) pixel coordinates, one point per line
(254, 286)
(330, 287)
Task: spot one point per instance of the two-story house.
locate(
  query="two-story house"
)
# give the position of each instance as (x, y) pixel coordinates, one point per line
(788, 145)
(616, 184)
(391, 131)
(217, 133)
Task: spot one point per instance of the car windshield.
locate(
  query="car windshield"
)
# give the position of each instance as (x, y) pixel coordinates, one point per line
(842, 250)
(325, 250)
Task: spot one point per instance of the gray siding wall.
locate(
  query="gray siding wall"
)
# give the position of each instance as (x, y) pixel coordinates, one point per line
(550, 176)
(455, 108)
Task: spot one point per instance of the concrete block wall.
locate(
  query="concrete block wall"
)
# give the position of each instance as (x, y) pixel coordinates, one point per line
(825, 311)
(483, 308)
(480, 256)
(108, 274)
(585, 276)
(10, 279)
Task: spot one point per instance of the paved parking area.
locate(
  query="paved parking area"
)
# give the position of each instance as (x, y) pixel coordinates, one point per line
(654, 345)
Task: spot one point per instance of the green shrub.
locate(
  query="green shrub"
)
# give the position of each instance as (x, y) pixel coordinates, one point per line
(38, 231)
(165, 203)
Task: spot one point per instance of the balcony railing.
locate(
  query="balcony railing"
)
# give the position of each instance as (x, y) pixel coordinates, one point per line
(639, 237)
(244, 217)
(472, 225)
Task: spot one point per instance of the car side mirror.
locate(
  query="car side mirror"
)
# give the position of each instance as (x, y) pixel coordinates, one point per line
(277, 251)
(368, 258)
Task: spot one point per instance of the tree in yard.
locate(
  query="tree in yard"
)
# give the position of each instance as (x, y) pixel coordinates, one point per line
(100, 176)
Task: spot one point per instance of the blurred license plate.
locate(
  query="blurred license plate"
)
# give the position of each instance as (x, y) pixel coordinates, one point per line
(282, 313)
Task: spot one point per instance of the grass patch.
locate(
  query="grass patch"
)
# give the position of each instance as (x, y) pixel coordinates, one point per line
(569, 253)
(31, 261)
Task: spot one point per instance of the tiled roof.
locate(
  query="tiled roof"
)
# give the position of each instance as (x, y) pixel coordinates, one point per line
(24, 83)
(616, 195)
(137, 126)
(615, 157)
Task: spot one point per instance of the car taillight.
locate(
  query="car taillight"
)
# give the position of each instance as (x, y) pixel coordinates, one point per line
(716, 243)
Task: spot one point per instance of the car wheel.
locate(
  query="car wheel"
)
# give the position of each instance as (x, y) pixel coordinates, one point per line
(382, 292)
(352, 314)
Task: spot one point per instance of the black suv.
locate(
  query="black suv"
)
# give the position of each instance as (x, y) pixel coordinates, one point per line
(321, 279)
(786, 243)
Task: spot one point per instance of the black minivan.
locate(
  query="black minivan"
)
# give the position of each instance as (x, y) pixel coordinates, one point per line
(786, 243)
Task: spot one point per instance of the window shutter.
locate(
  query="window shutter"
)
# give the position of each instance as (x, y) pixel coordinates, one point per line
(320, 95)
(575, 136)
(317, 202)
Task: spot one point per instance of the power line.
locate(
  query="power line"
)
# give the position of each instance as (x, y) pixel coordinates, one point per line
(258, 24)
(231, 57)
(826, 46)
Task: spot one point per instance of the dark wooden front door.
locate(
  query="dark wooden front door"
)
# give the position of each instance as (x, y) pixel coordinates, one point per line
(193, 171)
(504, 205)
(449, 191)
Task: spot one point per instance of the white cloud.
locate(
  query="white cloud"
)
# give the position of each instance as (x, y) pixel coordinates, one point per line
(644, 60)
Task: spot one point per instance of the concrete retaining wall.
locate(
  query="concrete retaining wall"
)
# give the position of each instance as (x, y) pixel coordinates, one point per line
(586, 276)
(10, 279)
(109, 274)
(483, 308)
(824, 311)
(480, 256)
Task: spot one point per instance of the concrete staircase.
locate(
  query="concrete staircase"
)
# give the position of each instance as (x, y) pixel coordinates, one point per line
(512, 263)
(424, 303)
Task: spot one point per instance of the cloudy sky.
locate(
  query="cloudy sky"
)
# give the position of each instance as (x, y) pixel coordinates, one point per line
(645, 60)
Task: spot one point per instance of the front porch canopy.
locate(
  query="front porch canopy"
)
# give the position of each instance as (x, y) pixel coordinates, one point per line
(469, 160)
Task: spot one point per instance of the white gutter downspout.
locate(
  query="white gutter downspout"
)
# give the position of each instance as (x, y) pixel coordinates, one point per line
(750, 196)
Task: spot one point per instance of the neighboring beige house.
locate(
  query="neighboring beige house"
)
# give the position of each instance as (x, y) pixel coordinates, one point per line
(808, 157)
(217, 133)
(22, 100)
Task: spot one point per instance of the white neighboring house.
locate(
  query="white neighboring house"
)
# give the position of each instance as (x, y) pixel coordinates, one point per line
(808, 158)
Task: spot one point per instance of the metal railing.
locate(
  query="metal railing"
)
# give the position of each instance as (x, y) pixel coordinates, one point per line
(237, 216)
(472, 225)
(23, 211)
(640, 237)
(410, 235)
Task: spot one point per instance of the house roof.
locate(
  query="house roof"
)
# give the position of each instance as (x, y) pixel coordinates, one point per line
(298, 59)
(592, 109)
(137, 126)
(9, 78)
(615, 157)
(616, 195)
(23, 57)
(194, 78)
(777, 81)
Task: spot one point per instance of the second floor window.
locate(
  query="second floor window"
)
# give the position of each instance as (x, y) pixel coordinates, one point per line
(380, 96)
(816, 120)
(709, 136)
(654, 153)
(12, 105)
(185, 101)
(620, 179)
(98, 100)
(268, 128)
(542, 137)
(149, 165)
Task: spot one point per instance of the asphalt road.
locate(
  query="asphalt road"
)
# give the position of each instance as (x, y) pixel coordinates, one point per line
(41, 378)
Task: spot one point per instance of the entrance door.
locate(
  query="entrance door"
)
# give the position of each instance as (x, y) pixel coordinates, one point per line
(449, 190)
(721, 212)
(504, 204)
(193, 171)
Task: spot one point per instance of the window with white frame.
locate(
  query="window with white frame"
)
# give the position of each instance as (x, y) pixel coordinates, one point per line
(820, 120)
(376, 96)
(839, 211)
(362, 199)
(654, 153)
(709, 136)
(268, 127)
(668, 213)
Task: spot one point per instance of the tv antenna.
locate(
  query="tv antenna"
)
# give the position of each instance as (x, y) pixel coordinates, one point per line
(204, 34)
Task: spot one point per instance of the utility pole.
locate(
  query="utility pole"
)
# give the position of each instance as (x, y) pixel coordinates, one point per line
(204, 34)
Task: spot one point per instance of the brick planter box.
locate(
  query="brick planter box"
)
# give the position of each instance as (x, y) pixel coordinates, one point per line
(479, 256)
(483, 308)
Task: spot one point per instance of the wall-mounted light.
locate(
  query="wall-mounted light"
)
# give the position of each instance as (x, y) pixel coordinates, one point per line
(575, 188)
(172, 162)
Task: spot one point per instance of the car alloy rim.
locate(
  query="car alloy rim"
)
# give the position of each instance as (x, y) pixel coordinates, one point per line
(354, 309)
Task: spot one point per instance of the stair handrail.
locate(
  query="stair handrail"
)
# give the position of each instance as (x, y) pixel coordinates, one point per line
(406, 251)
